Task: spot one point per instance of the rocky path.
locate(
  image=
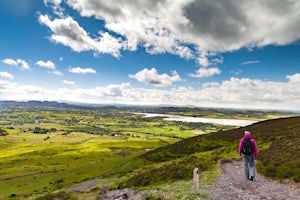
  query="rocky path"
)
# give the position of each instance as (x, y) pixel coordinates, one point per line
(233, 185)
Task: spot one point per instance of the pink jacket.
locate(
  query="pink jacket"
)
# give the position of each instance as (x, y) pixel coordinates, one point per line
(247, 136)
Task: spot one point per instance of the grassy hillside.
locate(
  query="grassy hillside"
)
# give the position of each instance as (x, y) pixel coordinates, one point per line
(278, 143)
(44, 152)
(50, 149)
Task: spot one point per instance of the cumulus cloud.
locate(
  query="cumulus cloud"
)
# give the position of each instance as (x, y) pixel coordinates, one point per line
(255, 94)
(151, 76)
(206, 72)
(150, 27)
(11, 90)
(188, 28)
(68, 82)
(295, 78)
(107, 94)
(206, 59)
(6, 75)
(79, 70)
(56, 72)
(249, 93)
(203, 60)
(48, 64)
(55, 4)
(18, 62)
(68, 32)
(9, 61)
(229, 25)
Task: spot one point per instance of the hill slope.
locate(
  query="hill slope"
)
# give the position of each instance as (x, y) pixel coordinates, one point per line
(171, 166)
(279, 153)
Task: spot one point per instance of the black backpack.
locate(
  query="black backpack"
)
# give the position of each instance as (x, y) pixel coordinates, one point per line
(247, 147)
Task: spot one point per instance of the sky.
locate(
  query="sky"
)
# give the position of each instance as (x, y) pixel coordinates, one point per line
(203, 53)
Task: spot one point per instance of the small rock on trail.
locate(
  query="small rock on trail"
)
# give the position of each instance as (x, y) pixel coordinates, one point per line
(233, 185)
(121, 194)
(85, 186)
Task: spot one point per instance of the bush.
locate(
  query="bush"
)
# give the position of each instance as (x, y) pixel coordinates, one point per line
(47, 138)
(3, 132)
(182, 170)
(153, 197)
(283, 172)
(296, 175)
(270, 171)
(57, 196)
(38, 130)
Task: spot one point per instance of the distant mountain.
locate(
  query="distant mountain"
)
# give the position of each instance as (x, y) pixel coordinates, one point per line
(35, 104)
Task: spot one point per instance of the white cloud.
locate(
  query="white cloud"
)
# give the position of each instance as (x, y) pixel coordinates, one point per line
(6, 75)
(56, 72)
(206, 59)
(68, 82)
(150, 27)
(203, 60)
(295, 78)
(179, 27)
(249, 93)
(14, 91)
(19, 62)
(68, 32)
(9, 61)
(79, 70)
(206, 72)
(232, 93)
(55, 4)
(23, 64)
(151, 76)
(48, 64)
(250, 62)
(236, 72)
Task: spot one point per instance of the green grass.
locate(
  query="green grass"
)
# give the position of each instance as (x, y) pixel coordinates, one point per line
(143, 153)
(34, 164)
(28, 168)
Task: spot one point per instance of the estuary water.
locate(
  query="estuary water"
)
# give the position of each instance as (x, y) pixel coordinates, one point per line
(229, 122)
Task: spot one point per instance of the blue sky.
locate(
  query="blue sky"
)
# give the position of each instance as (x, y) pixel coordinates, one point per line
(231, 54)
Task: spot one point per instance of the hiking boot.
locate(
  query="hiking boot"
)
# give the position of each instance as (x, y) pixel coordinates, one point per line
(251, 178)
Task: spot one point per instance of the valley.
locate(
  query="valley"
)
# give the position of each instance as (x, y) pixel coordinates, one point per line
(48, 149)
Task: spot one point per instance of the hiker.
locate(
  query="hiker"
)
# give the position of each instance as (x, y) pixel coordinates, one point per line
(248, 149)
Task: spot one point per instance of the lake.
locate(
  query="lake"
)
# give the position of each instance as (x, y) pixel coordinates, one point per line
(229, 122)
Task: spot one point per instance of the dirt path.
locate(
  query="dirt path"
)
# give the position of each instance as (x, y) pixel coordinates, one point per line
(233, 185)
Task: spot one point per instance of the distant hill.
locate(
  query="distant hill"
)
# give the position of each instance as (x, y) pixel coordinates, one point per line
(34, 104)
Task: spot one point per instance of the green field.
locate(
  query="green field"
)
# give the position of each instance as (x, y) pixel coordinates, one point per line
(48, 150)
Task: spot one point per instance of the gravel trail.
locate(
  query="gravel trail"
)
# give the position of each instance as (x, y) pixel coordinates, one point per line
(233, 185)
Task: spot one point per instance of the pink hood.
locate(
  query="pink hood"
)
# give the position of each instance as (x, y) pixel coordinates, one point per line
(247, 135)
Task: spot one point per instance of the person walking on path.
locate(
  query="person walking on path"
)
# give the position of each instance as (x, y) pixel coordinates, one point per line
(248, 149)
